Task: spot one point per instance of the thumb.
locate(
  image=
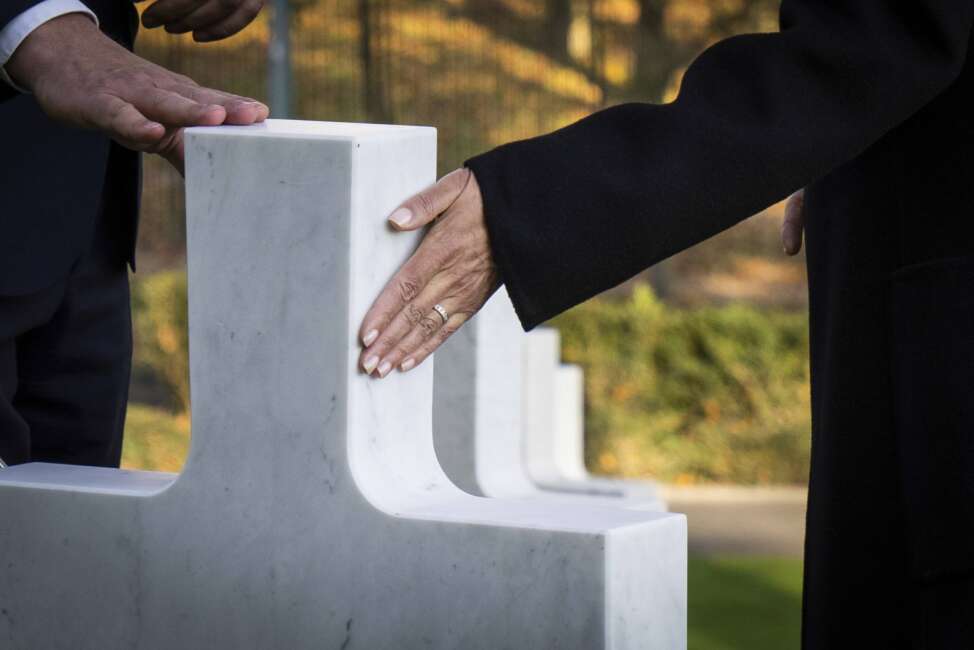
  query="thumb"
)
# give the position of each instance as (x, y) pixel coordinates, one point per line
(172, 150)
(794, 223)
(423, 208)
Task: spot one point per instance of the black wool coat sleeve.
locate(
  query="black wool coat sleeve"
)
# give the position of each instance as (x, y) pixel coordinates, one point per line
(582, 209)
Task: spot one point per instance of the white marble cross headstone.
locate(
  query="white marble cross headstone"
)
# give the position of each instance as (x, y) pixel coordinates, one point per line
(312, 511)
(508, 418)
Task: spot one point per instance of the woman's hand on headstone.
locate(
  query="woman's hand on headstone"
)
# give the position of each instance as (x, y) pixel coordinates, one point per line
(445, 282)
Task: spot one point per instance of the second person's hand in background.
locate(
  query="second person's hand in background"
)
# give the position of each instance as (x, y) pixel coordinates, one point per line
(793, 225)
(208, 20)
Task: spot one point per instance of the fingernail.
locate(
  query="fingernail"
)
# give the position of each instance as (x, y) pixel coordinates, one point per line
(370, 364)
(371, 336)
(385, 368)
(407, 365)
(401, 217)
(791, 244)
(153, 125)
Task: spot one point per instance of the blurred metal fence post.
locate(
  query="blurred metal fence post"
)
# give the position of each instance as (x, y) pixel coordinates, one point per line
(279, 61)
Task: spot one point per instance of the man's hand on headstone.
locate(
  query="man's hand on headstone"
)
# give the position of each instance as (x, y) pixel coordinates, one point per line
(793, 226)
(83, 78)
(209, 20)
(446, 281)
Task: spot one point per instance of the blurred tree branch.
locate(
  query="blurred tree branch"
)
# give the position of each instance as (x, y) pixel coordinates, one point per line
(659, 39)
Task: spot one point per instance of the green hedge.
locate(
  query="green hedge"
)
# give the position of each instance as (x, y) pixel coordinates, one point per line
(713, 394)
(161, 337)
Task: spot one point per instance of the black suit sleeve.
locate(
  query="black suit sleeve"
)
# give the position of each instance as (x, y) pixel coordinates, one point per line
(577, 211)
(10, 9)
(117, 18)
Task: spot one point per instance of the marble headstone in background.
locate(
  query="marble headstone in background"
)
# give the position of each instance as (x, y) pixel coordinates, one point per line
(554, 429)
(509, 419)
(312, 511)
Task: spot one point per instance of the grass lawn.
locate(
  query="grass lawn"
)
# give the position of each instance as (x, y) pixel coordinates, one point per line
(744, 603)
(735, 603)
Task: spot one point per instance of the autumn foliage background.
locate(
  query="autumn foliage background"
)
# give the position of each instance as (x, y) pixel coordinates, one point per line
(695, 371)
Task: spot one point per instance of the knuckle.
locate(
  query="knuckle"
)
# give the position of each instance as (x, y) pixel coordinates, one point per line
(115, 114)
(185, 81)
(460, 178)
(408, 289)
(425, 204)
(413, 314)
(400, 351)
(446, 332)
(428, 326)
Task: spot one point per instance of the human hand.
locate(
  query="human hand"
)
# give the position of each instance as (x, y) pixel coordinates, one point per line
(83, 78)
(452, 269)
(209, 20)
(793, 225)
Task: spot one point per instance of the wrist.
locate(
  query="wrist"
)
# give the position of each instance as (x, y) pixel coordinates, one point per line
(47, 47)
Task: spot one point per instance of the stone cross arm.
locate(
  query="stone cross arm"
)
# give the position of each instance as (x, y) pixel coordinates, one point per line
(312, 511)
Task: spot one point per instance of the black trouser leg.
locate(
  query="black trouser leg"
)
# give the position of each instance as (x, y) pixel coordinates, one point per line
(64, 373)
(19, 314)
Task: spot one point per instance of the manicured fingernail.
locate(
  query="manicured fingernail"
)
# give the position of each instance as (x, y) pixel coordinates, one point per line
(407, 365)
(371, 336)
(385, 368)
(370, 364)
(401, 217)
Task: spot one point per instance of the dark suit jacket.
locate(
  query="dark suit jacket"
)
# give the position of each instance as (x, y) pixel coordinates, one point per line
(869, 104)
(56, 180)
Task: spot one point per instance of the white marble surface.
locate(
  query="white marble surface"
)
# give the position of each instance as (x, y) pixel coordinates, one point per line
(312, 511)
(477, 404)
(509, 417)
(569, 424)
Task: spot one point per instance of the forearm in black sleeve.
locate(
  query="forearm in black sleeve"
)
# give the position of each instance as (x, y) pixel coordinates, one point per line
(578, 211)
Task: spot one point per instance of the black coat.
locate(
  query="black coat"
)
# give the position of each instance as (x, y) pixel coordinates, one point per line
(867, 103)
(55, 180)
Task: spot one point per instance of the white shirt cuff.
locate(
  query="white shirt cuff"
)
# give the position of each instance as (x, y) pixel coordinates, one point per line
(14, 32)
